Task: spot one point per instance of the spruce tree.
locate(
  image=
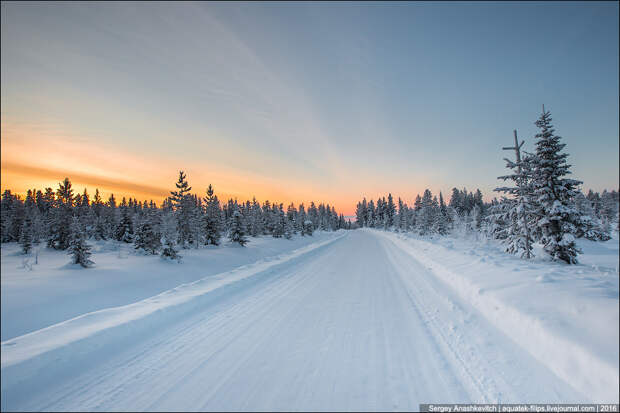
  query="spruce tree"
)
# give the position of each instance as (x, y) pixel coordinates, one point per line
(256, 219)
(590, 226)
(441, 217)
(183, 207)
(289, 229)
(498, 220)
(124, 231)
(390, 212)
(147, 238)
(25, 238)
(308, 228)
(168, 229)
(60, 219)
(426, 214)
(212, 218)
(517, 214)
(279, 225)
(556, 216)
(78, 248)
(237, 233)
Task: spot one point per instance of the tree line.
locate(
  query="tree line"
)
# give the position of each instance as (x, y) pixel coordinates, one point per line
(542, 205)
(67, 221)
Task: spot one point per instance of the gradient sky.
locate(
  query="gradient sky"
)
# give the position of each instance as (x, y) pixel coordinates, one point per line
(302, 101)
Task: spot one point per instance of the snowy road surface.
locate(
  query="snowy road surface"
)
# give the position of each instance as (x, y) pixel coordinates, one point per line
(355, 324)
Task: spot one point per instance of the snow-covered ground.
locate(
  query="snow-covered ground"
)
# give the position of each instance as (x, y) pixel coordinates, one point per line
(358, 320)
(564, 315)
(55, 291)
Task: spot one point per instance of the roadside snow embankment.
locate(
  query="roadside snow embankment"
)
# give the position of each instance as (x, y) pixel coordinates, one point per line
(565, 316)
(28, 346)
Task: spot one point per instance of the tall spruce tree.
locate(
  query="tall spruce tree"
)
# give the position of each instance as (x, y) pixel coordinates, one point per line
(212, 218)
(183, 208)
(61, 217)
(556, 217)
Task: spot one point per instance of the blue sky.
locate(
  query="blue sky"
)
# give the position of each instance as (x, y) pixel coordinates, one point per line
(330, 101)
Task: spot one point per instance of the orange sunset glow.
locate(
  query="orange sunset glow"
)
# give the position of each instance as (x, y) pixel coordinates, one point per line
(60, 154)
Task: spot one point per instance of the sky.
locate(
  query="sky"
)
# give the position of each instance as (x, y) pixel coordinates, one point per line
(303, 101)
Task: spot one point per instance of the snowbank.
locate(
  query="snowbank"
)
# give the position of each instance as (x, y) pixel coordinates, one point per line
(565, 316)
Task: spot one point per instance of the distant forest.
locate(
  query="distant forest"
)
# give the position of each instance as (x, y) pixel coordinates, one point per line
(66, 221)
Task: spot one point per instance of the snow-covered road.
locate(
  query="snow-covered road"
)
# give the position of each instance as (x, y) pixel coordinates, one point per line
(356, 324)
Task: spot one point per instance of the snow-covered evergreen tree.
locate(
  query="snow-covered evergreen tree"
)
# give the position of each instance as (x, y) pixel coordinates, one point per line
(288, 228)
(370, 214)
(124, 231)
(256, 219)
(426, 214)
(518, 215)
(301, 218)
(25, 238)
(497, 222)
(78, 247)
(279, 224)
(61, 217)
(147, 237)
(169, 235)
(183, 207)
(555, 216)
(308, 228)
(390, 212)
(212, 218)
(441, 218)
(291, 217)
(589, 225)
(237, 232)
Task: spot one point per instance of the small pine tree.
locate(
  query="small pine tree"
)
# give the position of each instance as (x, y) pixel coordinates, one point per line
(517, 217)
(78, 248)
(168, 226)
(147, 238)
(170, 251)
(237, 232)
(308, 228)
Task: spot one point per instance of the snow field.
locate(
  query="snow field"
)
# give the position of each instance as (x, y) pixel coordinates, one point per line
(31, 345)
(54, 291)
